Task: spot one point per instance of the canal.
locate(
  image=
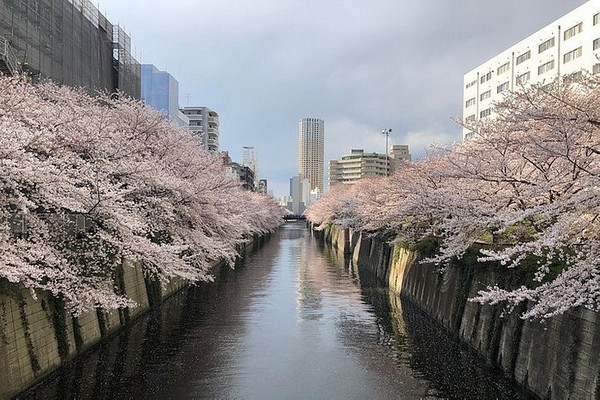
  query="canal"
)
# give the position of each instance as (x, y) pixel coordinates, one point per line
(292, 321)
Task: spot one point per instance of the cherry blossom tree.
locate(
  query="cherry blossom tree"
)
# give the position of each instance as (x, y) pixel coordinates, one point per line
(526, 185)
(90, 182)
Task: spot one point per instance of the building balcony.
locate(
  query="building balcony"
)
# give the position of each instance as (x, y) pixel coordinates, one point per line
(212, 132)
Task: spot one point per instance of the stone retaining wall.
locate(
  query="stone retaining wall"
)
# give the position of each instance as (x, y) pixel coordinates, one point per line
(555, 359)
(37, 335)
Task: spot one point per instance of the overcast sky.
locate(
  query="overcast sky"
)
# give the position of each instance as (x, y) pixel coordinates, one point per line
(361, 66)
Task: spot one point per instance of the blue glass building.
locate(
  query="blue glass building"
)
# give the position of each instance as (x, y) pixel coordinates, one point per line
(161, 91)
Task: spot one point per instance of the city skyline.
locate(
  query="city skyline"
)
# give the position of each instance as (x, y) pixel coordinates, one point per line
(394, 64)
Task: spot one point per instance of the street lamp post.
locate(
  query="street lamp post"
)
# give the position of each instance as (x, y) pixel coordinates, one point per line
(387, 133)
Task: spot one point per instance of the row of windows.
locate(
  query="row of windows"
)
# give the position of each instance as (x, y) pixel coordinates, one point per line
(567, 57)
(472, 83)
(525, 77)
(486, 95)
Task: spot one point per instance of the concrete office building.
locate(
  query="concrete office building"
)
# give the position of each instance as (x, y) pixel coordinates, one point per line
(567, 48)
(358, 164)
(204, 124)
(69, 42)
(399, 154)
(311, 151)
(250, 159)
(161, 91)
(299, 195)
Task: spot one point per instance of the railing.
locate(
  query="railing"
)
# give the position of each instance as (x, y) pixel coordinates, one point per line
(294, 217)
(8, 55)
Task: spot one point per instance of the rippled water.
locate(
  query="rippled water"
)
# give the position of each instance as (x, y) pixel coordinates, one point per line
(293, 321)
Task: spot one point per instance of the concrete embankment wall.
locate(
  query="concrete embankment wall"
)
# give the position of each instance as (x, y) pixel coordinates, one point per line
(554, 359)
(38, 335)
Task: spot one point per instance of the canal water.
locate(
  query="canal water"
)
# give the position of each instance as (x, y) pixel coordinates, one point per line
(292, 321)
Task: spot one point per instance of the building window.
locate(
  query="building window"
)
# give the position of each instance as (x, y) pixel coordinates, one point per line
(486, 77)
(470, 102)
(503, 68)
(470, 118)
(596, 69)
(472, 83)
(571, 55)
(524, 57)
(545, 67)
(596, 18)
(546, 45)
(485, 113)
(502, 87)
(521, 79)
(574, 77)
(597, 44)
(569, 33)
(485, 95)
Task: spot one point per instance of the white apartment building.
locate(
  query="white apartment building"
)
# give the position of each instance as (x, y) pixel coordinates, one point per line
(566, 48)
(311, 151)
(204, 124)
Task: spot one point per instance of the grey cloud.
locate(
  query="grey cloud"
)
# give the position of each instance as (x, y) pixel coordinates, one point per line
(360, 66)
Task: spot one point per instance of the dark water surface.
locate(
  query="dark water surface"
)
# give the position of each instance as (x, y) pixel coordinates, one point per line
(294, 321)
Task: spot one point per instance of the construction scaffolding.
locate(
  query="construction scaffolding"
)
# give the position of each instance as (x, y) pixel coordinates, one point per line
(67, 41)
(9, 63)
(127, 69)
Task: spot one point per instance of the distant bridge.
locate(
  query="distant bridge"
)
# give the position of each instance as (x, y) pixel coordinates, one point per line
(294, 217)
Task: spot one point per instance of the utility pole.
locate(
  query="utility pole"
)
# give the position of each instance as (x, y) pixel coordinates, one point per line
(387, 133)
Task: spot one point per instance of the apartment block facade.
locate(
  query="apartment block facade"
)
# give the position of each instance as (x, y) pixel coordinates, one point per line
(565, 49)
(204, 124)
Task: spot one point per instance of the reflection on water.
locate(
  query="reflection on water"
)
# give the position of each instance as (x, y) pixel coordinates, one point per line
(294, 321)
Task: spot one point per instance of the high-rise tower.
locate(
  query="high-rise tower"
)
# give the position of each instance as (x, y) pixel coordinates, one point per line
(310, 151)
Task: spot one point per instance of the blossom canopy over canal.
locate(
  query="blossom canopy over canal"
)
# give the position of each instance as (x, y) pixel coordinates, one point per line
(91, 183)
(527, 186)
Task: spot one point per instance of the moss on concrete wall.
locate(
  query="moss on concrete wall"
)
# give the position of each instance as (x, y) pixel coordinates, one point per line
(37, 335)
(556, 359)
